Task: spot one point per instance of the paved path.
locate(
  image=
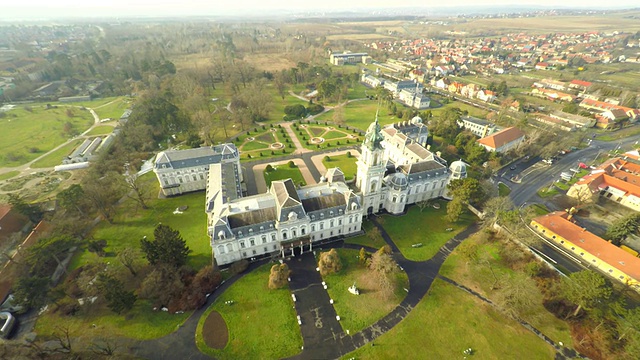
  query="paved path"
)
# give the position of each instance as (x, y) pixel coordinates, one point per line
(319, 324)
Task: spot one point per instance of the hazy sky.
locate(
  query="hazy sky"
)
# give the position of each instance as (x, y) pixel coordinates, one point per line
(97, 8)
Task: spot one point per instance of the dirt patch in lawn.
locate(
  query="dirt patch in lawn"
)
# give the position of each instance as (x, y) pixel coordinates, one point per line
(215, 332)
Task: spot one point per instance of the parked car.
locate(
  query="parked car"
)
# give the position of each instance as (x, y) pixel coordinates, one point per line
(583, 166)
(548, 161)
(7, 321)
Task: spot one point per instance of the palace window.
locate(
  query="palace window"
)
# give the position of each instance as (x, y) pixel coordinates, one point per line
(252, 241)
(242, 244)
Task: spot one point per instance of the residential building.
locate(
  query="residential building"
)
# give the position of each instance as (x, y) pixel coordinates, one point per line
(610, 119)
(414, 99)
(181, 171)
(503, 141)
(617, 179)
(579, 85)
(478, 127)
(598, 253)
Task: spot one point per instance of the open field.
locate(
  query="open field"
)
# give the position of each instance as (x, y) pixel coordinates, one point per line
(360, 114)
(283, 172)
(358, 312)
(346, 164)
(28, 134)
(9, 175)
(360, 37)
(426, 227)
(55, 158)
(548, 24)
(448, 321)
(113, 109)
(261, 322)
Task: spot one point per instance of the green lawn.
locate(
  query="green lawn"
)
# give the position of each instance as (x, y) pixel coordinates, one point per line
(139, 323)
(546, 192)
(359, 311)
(360, 114)
(282, 172)
(112, 109)
(25, 134)
(503, 190)
(261, 322)
(132, 223)
(448, 321)
(427, 227)
(101, 130)
(250, 150)
(539, 209)
(346, 164)
(9, 175)
(55, 158)
(471, 110)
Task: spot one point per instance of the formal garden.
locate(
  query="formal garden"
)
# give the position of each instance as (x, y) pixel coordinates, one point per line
(315, 135)
(264, 142)
(282, 172)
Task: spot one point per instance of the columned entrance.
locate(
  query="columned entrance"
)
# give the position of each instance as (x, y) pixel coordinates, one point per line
(290, 248)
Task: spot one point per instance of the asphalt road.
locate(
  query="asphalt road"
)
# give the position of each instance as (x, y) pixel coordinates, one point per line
(534, 175)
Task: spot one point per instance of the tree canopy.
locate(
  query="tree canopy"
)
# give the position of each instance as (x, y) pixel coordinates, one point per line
(168, 247)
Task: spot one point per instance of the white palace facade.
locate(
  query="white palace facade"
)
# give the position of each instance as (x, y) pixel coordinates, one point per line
(395, 169)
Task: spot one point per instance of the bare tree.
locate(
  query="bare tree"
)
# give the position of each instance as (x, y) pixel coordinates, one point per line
(136, 192)
(128, 257)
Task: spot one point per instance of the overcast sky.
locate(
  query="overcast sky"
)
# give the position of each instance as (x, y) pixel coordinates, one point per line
(97, 8)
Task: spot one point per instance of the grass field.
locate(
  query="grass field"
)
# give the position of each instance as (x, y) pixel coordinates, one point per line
(503, 190)
(132, 223)
(346, 164)
(263, 137)
(358, 312)
(360, 114)
(112, 109)
(55, 158)
(261, 322)
(283, 172)
(101, 130)
(427, 227)
(9, 175)
(25, 134)
(448, 321)
(140, 323)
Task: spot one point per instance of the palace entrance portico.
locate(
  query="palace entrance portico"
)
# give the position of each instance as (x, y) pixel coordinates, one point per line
(289, 247)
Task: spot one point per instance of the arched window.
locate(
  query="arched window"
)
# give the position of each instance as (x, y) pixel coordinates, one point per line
(221, 235)
(229, 248)
(284, 234)
(221, 249)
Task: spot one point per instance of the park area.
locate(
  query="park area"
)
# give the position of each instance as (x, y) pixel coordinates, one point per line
(131, 224)
(420, 233)
(360, 311)
(261, 323)
(30, 131)
(448, 321)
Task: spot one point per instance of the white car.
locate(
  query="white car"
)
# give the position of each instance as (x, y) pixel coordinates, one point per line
(7, 321)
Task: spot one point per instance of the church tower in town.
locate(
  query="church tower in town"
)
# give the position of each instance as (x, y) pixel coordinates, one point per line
(371, 168)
